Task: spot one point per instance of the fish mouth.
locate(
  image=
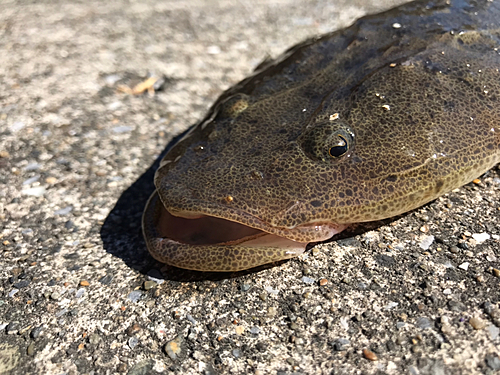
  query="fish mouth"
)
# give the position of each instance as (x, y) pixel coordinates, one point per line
(173, 237)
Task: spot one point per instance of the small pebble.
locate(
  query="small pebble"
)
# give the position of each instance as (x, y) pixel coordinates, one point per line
(494, 332)
(447, 329)
(245, 287)
(28, 232)
(192, 335)
(94, 339)
(423, 323)
(173, 348)
(55, 296)
(368, 354)
(255, 330)
(12, 328)
(464, 266)
(213, 50)
(496, 272)
(362, 286)
(271, 290)
(64, 211)
(142, 368)
(426, 242)
(51, 180)
(31, 349)
(341, 344)
(35, 191)
(492, 361)
(391, 305)
(112, 79)
(132, 342)
(16, 126)
(84, 283)
(61, 312)
(307, 280)
(149, 284)
(456, 306)
(106, 280)
(80, 292)
(35, 333)
(135, 295)
(490, 308)
(272, 311)
(122, 129)
(236, 353)
(481, 237)
(323, 282)
(477, 323)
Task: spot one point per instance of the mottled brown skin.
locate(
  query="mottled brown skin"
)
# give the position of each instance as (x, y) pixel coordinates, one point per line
(362, 124)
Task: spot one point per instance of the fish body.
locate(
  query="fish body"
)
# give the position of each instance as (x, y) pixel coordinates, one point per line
(358, 125)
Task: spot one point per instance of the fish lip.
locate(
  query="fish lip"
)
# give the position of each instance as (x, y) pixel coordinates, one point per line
(303, 233)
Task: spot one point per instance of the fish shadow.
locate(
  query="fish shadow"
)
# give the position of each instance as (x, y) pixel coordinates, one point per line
(121, 233)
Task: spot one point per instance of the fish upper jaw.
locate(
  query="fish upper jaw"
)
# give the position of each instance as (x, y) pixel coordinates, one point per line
(209, 220)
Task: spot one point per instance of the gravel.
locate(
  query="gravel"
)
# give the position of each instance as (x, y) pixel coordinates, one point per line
(77, 159)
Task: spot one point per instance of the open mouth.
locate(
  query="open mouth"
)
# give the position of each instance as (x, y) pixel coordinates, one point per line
(199, 241)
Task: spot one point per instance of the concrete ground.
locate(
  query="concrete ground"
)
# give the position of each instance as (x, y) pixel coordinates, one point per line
(79, 293)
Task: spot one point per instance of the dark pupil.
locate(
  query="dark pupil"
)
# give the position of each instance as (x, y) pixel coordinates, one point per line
(340, 149)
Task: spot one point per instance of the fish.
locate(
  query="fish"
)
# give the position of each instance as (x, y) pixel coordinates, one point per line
(358, 125)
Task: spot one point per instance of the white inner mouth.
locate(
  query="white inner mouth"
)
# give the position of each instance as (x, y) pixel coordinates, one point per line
(202, 230)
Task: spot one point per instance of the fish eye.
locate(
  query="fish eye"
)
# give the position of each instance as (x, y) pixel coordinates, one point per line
(340, 149)
(327, 141)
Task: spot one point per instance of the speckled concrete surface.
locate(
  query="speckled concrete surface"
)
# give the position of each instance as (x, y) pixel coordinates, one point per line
(79, 293)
